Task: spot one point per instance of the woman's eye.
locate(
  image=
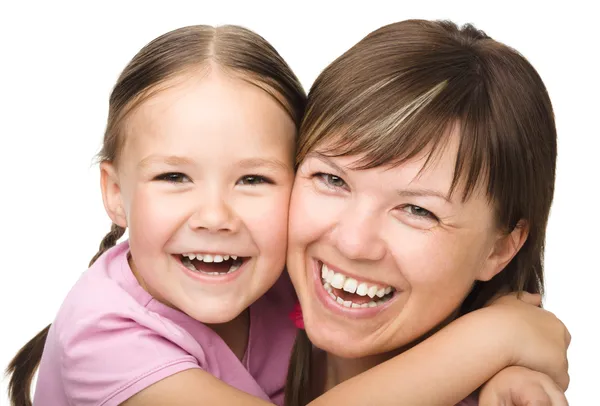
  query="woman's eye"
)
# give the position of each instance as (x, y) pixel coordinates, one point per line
(418, 211)
(331, 181)
(173, 177)
(254, 180)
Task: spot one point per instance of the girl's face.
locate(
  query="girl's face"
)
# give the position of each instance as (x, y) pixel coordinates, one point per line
(380, 257)
(203, 184)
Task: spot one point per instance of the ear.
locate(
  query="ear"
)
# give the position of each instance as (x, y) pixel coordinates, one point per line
(504, 250)
(111, 194)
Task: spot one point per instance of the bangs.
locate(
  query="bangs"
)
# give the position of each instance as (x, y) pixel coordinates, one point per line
(392, 122)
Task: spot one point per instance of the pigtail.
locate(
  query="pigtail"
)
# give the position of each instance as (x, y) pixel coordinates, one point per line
(22, 369)
(109, 241)
(25, 363)
(298, 389)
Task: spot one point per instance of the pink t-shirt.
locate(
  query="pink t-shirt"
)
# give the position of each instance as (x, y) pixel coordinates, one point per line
(111, 339)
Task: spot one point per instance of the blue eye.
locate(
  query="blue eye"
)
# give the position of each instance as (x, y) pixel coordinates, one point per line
(173, 177)
(254, 180)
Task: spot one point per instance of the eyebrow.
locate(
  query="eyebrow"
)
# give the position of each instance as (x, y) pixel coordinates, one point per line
(171, 160)
(254, 163)
(326, 160)
(424, 192)
(249, 163)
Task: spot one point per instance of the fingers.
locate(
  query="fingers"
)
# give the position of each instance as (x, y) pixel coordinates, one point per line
(555, 394)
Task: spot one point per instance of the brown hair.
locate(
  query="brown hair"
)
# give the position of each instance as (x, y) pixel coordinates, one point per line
(235, 50)
(399, 90)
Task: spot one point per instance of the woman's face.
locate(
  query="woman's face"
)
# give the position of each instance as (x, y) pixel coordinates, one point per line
(379, 257)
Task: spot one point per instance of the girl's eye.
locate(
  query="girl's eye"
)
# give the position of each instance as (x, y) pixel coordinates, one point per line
(330, 180)
(254, 180)
(173, 177)
(418, 211)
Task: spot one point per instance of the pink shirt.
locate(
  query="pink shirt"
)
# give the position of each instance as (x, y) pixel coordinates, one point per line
(111, 339)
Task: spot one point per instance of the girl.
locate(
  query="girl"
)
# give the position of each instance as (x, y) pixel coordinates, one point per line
(198, 165)
(426, 173)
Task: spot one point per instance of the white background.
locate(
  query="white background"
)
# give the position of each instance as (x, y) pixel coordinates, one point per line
(59, 61)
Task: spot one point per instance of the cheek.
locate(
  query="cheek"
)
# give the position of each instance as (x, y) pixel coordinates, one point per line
(267, 220)
(439, 268)
(311, 214)
(151, 218)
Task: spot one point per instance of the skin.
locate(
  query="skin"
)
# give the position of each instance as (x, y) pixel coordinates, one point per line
(222, 129)
(397, 227)
(207, 167)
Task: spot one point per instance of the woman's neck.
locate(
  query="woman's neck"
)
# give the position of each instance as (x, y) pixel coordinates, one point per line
(338, 369)
(341, 369)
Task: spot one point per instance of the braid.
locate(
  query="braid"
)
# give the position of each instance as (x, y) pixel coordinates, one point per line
(109, 241)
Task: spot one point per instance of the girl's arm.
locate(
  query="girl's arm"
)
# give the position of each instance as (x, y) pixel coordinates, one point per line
(451, 364)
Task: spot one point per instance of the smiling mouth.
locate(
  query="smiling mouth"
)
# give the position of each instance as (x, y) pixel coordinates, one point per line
(209, 264)
(349, 292)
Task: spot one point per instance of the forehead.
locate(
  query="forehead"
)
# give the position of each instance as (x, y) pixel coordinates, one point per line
(210, 108)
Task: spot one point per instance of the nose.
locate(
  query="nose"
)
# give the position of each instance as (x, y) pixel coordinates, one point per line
(357, 235)
(214, 214)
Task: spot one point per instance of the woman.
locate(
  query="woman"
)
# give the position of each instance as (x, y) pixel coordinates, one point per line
(426, 174)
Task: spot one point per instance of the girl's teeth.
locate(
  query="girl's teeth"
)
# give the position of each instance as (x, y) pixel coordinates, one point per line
(381, 292)
(372, 291)
(187, 262)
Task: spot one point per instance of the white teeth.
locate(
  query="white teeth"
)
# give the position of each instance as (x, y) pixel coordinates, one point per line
(330, 275)
(327, 287)
(372, 304)
(324, 272)
(210, 257)
(332, 295)
(339, 300)
(364, 305)
(362, 289)
(355, 305)
(347, 303)
(372, 291)
(350, 285)
(381, 292)
(234, 267)
(338, 281)
(388, 290)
